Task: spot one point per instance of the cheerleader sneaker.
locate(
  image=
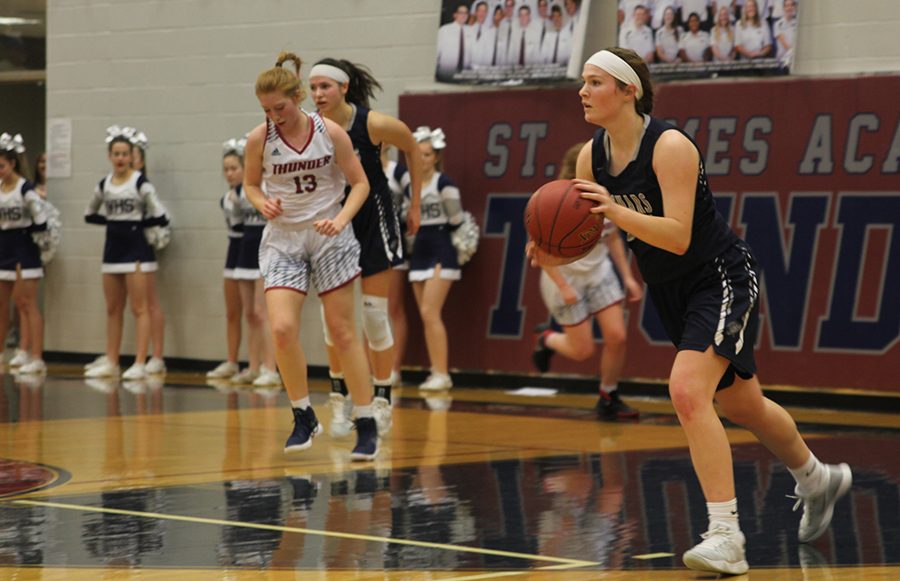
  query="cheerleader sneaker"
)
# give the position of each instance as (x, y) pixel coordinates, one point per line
(136, 371)
(306, 427)
(156, 366)
(224, 370)
(267, 378)
(245, 377)
(20, 358)
(106, 369)
(34, 367)
(341, 409)
(381, 409)
(100, 360)
(721, 551)
(436, 382)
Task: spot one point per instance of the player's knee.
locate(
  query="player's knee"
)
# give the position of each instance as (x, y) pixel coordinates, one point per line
(284, 333)
(614, 338)
(376, 322)
(685, 398)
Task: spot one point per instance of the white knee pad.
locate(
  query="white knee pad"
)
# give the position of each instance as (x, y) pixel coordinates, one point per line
(325, 326)
(376, 323)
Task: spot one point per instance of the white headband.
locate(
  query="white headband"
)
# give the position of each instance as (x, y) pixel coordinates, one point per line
(618, 68)
(330, 71)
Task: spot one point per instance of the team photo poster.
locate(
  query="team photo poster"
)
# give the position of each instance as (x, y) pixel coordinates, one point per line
(707, 38)
(510, 42)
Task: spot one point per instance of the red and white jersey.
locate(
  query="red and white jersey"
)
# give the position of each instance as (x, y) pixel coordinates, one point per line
(306, 178)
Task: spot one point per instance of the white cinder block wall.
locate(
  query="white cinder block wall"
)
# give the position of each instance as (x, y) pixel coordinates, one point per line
(183, 72)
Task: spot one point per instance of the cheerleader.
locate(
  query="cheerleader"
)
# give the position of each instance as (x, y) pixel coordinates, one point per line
(262, 371)
(233, 170)
(341, 91)
(305, 162)
(156, 365)
(21, 214)
(130, 205)
(433, 264)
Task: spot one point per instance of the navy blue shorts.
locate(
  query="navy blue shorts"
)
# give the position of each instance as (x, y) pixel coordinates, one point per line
(432, 247)
(715, 304)
(378, 232)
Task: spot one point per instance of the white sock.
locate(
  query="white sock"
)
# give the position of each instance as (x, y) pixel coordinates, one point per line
(724, 513)
(609, 388)
(335, 374)
(363, 411)
(302, 403)
(810, 476)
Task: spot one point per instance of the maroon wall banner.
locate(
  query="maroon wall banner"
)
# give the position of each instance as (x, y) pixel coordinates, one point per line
(805, 170)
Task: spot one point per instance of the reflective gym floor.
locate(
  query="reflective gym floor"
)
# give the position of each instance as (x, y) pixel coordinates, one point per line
(182, 480)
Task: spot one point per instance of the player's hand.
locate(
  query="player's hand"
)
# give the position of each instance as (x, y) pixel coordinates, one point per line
(633, 289)
(272, 208)
(539, 258)
(413, 220)
(329, 227)
(570, 297)
(603, 202)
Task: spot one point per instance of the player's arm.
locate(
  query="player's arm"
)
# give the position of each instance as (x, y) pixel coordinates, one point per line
(569, 295)
(386, 129)
(356, 177)
(677, 166)
(270, 208)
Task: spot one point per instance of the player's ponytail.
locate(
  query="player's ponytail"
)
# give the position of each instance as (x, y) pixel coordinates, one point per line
(281, 79)
(361, 86)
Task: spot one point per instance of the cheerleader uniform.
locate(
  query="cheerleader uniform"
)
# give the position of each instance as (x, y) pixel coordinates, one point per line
(310, 185)
(129, 208)
(441, 212)
(247, 267)
(375, 225)
(398, 179)
(234, 221)
(21, 213)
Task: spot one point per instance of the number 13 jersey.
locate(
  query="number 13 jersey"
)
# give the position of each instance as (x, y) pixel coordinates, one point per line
(306, 178)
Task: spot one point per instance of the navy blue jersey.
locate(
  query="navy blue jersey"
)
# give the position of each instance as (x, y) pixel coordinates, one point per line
(637, 188)
(369, 153)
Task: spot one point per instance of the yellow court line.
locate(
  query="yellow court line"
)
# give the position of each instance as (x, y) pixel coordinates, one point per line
(212, 521)
(653, 556)
(563, 567)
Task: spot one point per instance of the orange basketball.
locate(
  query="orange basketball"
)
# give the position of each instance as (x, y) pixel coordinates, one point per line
(560, 222)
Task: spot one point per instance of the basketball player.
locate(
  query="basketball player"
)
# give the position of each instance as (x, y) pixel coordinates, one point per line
(341, 91)
(647, 177)
(588, 289)
(398, 181)
(130, 204)
(305, 161)
(433, 263)
(21, 212)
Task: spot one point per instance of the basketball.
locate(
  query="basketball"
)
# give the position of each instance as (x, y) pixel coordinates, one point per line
(560, 221)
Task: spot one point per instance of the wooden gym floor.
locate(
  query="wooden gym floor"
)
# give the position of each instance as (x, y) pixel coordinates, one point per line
(145, 480)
